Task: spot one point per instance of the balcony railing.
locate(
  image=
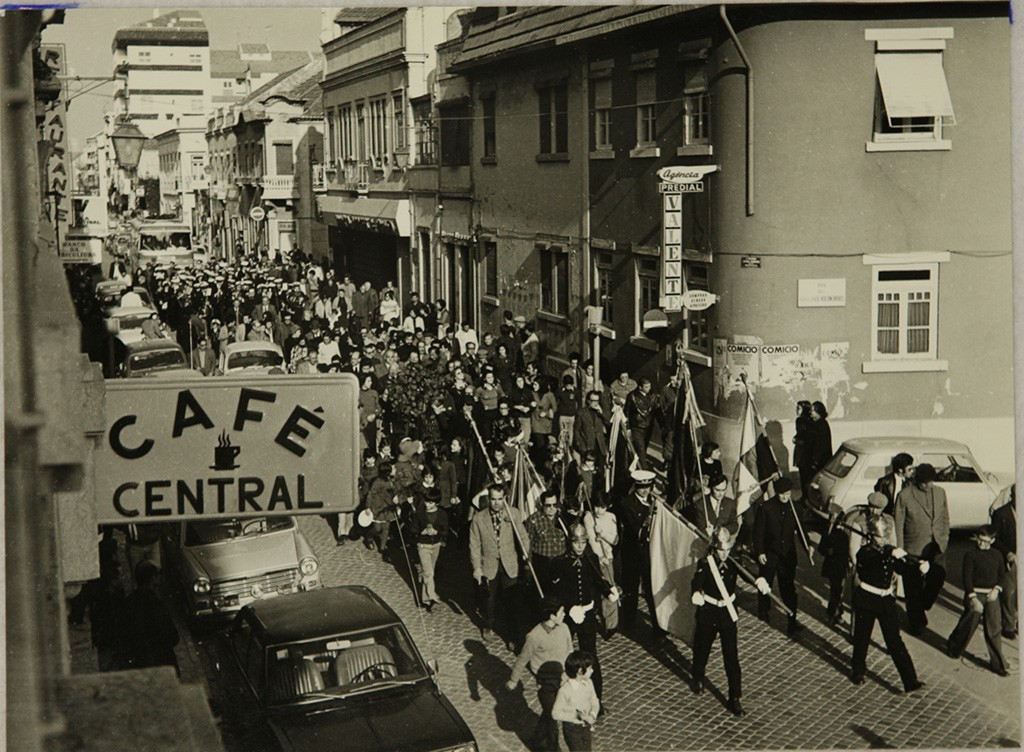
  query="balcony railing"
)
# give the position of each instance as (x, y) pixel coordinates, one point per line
(280, 186)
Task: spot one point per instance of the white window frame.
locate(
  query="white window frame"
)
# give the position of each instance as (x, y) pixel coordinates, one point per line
(691, 316)
(900, 135)
(902, 360)
(653, 274)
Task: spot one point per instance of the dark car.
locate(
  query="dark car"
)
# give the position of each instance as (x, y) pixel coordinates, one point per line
(336, 669)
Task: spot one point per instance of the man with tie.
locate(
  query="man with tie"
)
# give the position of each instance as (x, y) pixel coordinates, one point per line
(893, 482)
(716, 510)
(495, 534)
(922, 529)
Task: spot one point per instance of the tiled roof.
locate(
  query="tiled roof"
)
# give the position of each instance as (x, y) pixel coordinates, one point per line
(532, 29)
(179, 26)
(229, 63)
(361, 15)
(253, 48)
(301, 86)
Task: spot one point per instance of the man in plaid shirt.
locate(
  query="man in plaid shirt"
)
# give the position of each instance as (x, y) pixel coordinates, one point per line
(547, 536)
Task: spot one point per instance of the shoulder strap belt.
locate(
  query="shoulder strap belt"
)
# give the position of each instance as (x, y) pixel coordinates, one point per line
(721, 588)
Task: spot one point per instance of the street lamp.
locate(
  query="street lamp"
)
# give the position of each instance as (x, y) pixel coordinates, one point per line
(128, 141)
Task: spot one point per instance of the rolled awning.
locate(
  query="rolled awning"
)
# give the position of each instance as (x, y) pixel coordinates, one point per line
(914, 85)
(374, 214)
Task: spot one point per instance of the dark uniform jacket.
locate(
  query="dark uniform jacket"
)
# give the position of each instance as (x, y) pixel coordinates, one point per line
(634, 515)
(775, 530)
(704, 581)
(577, 584)
(1005, 523)
(876, 567)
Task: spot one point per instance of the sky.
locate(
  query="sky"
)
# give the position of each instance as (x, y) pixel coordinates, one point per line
(88, 33)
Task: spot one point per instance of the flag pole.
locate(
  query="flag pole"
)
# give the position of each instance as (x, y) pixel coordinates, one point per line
(739, 567)
(796, 517)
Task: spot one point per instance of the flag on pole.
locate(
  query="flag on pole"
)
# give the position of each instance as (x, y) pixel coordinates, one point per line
(756, 460)
(687, 419)
(675, 551)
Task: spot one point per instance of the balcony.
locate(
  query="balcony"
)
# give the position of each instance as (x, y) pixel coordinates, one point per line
(280, 186)
(360, 177)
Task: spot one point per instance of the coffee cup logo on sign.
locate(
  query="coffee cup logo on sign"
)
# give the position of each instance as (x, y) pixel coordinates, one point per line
(225, 453)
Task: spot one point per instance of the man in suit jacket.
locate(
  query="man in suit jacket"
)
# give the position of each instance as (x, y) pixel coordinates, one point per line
(496, 540)
(203, 358)
(922, 529)
(775, 550)
(589, 430)
(1004, 520)
(892, 483)
(716, 510)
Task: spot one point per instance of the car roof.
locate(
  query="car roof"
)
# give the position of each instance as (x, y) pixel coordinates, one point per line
(160, 343)
(909, 444)
(252, 345)
(117, 312)
(303, 616)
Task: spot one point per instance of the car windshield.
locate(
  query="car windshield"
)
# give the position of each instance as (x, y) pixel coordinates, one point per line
(952, 468)
(252, 358)
(131, 322)
(153, 359)
(162, 240)
(204, 533)
(335, 665)
(841, 463)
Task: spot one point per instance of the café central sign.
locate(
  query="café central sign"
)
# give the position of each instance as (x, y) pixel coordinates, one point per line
(228, 447)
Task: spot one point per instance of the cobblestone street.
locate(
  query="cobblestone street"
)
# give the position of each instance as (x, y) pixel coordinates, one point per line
(795, 691)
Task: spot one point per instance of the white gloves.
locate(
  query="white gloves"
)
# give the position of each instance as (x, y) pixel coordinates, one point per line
(923, 566)
(697, 599)
(614, 595)
(762, 586)
(899, 553)
(993, 595)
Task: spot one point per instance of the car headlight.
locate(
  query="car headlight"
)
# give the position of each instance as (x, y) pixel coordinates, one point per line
(309, 565)
(201, 585)
(256, 590)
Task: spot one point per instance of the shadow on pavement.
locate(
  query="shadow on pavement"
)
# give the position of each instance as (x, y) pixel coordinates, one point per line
(488, 671)
(874, 740)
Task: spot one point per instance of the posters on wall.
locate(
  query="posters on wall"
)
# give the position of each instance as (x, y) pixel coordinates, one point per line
(801, 371)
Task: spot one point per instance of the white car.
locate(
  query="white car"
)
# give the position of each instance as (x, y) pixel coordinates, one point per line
(257, 356)
(857, 465)
(223, 565)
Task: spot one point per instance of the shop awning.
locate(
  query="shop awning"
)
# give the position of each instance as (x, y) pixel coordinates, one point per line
(374, 214)
(914, 85)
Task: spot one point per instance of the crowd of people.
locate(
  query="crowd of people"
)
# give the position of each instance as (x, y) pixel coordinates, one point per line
(454, 423)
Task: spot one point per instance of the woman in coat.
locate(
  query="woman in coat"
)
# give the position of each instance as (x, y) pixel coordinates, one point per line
(822, 433)
(803, 444)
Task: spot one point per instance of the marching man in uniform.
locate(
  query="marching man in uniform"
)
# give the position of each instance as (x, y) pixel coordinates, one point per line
(579, 583)
(874, 599)
(637, 511)
(714, 594)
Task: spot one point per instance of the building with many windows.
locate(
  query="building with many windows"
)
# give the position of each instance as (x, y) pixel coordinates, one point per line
(812, 171)
(181, 153)
(378, 62)
(162, 67)
(262, 151)
(238, 72)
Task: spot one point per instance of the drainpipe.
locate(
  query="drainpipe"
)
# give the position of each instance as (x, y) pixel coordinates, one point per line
(750, 109)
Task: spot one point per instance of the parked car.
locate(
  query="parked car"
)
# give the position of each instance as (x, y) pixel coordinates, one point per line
(336, 669)
(251, 356)
(851, 474)
(223, 565)
(134, 356)
(111, 294)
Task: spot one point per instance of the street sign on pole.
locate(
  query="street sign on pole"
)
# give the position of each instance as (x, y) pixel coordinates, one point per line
(257, 214)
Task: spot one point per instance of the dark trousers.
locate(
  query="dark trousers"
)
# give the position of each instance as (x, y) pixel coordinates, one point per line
(545, 735)
(510, 592)
(640, 437)
(586, 635)
(965, 628)
(921, 591)
(578, 738)
(1008, 599)
(714, 621)
(636, 577)
(889, 620)
(785, 569)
